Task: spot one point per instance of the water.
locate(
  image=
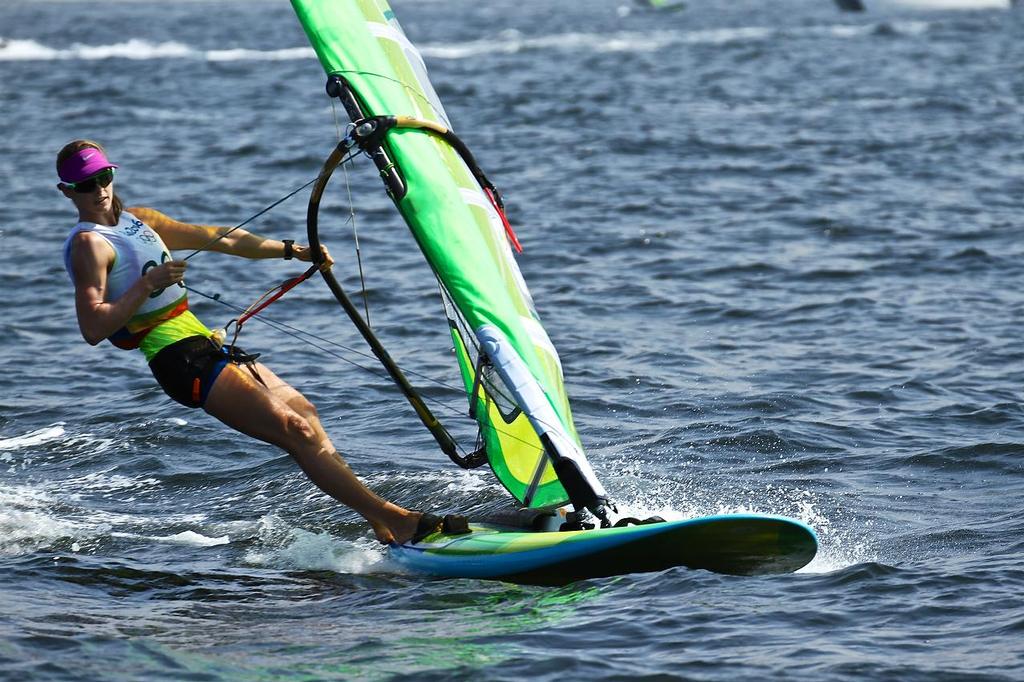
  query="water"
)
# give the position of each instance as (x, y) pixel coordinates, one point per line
(778, 248)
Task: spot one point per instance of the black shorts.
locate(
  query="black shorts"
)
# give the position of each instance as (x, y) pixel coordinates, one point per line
(187, 369)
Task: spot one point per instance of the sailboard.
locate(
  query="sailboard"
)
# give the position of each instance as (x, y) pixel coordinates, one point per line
(732, 544)
(661, 4)
(509, 368)
(850, 5)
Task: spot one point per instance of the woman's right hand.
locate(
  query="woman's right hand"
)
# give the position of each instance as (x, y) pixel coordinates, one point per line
(165, 274)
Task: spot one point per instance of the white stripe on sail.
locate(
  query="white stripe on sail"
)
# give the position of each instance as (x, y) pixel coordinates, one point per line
(476, 197)
(388, 32)
(537, 333)
(532, 399)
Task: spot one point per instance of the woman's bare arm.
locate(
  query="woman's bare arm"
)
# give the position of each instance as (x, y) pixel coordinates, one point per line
(178, 235)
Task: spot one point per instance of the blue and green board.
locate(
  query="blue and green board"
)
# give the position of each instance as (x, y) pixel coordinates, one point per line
(735, 544)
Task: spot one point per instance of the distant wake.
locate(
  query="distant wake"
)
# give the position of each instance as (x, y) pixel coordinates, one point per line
(30, 50)
(508, 42)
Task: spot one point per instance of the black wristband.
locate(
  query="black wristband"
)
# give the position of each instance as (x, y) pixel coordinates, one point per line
(288, 248)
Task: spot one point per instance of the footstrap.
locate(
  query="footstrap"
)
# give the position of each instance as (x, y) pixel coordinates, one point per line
(633, 521)
(451, 524)
(455, 524)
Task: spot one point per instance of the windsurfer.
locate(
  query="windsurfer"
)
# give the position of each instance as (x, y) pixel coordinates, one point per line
(130, 291)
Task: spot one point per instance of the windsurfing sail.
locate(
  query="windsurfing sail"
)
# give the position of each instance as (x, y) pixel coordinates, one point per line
(511, 371)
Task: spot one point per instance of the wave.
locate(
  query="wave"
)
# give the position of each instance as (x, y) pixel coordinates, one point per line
(30, 50)
(281, 545)
(650, 41)
(70, 512)
(37, 437)
(28, 521)
(508, 42)
(954, 4)
(186, 537)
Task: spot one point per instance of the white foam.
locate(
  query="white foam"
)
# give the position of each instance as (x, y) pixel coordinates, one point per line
(636, 41)
(835, 556)
(510, 42)
(30, 439)
(286, 547)
(27, 523)
(30, 50)
(238, 55)
(454, 481)
(192, 538)
(25, 50)
(954, 4)
(133, 49)
(837, 549)
(842, 542)
(104, 482)
(49, 513)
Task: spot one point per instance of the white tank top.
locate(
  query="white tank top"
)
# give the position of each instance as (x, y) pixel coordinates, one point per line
(137, 248)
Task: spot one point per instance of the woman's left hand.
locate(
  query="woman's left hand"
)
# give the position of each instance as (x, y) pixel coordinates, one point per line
(304, 253)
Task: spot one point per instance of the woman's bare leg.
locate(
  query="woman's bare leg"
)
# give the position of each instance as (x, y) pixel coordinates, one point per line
(278, 414)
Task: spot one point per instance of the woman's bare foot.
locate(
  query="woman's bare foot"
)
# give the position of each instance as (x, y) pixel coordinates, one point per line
(383, 533)
(399, 528)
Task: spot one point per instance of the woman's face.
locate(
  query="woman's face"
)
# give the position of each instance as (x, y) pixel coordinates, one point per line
(91, 196)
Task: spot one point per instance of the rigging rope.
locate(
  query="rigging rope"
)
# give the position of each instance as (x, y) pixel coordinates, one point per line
(269, 296)
(353, 151)
(251, 218)
(350, 127)
(359, 255)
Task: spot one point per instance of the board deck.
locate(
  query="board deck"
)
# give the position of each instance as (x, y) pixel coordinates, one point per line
(735, 544)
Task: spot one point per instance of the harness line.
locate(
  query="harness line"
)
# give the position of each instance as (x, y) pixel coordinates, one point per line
(305, 336)
(281, 289)
(251, 218)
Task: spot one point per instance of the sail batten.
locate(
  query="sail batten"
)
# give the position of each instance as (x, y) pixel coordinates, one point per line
(519, 400)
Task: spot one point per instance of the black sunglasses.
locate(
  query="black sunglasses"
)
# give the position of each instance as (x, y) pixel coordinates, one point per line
(101, 179)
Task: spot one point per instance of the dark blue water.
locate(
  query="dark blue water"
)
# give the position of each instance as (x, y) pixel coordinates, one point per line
(778, 247)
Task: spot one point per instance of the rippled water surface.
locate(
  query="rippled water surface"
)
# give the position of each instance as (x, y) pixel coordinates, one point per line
(778, 247)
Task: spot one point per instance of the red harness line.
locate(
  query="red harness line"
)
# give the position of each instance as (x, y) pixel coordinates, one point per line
(285, 287)
(508, 228)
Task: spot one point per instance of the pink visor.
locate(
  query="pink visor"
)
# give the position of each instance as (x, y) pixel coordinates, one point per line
(84, 163)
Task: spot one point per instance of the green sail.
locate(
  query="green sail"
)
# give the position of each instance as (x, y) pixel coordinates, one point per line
(520, 400)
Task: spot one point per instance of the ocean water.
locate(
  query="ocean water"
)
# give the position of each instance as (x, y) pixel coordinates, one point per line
(778, 247)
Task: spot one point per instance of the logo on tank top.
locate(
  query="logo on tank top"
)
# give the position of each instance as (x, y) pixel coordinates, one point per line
(134, 227)
(137, 227)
